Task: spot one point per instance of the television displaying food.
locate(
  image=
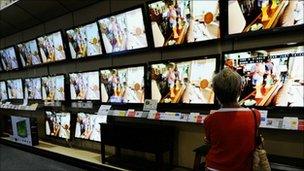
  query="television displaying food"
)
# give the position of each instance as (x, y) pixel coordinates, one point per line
(85, 86)
(272, 77)
(57, 124)
(32, 88)
(87, 126)
(123, 32)
(183, 82)
(53, 88)
(14, 89)
(124, 85)
(21, 128)
(9, 59)
(177, 22)
(51, 47)
(3, 91)
(253, 15)
(29, 54)
(84, 41)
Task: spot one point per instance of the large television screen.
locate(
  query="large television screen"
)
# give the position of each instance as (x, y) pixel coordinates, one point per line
(272, 77)
(253, 15)
(3, 91)
(176, 22)
(53, 88)
(15, 89)
(29, 54)
(9, 59)
(124, 85)
(51, 47)
(183, 82)
(125, 31)
(57, 124)
(85, 86)
(87, 126)
(84, 41)
(32, 88)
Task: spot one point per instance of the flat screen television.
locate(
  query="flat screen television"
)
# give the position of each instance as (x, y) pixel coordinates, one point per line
(123, 85)
(3, 91)
(186, 82)
(84, 86)
(272, 77)
(84, 41)
(51, 47)
(29, 53)
(53, 88)
(32, 88)
(257, 15)
(8, 59)
(87, 126)
(184, 21)
(57, 124)
(124, 31)
(14, 89)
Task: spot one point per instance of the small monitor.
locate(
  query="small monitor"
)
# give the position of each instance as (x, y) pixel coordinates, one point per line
(53, 88)
(57, 124)
(32, 88)
(9, 59)
(29, 54)
(3, 91)
(84, 86)
(51, 48)
(123, 85)
(124, 31)
(14, 89)
(84, 41)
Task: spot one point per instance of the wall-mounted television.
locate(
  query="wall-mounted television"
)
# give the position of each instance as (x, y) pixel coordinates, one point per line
(84, 41)
(51, 47)
(124, 31)
(84, 86)
(8, 59)
(32, 88)
(53, 88)
(14, 89)
(3, 91)
(87, 126)
(256, 15)
(57, 124)
(123, 85)
(272, 77)
(186, 82)
(177, 22)
(29, 53)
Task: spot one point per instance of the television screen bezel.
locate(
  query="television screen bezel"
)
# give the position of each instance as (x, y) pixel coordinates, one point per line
(19, 55)
(17, 59)
(57, 137)
(21, 86)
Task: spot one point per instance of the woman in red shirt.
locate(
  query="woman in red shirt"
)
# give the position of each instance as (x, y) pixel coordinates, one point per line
(230, 130)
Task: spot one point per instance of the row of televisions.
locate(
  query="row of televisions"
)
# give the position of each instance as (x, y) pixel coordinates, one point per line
(271, 77)
(171, 22)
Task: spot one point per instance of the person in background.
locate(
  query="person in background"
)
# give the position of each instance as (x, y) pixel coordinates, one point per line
(230, 131)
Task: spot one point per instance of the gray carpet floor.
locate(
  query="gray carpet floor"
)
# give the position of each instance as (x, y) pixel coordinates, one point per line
(12, 159)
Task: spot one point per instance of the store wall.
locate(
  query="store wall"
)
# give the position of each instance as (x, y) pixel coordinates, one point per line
(190, 136)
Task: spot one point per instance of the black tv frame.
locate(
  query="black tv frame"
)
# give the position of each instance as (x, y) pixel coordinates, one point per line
(64, 82)
(21, 86)
(17, 60)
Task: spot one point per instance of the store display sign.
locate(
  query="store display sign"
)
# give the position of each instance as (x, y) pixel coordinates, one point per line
(21, 130)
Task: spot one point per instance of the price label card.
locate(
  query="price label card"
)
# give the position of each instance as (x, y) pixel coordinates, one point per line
(150, 105)
(104, 109)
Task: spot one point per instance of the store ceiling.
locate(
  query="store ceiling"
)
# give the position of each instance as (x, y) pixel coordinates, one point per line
(28, 13)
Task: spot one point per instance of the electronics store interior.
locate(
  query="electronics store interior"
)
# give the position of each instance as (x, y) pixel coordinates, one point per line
(129, 84)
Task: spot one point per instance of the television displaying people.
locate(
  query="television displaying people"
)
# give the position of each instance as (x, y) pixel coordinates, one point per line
(53, 88)
(124, 85)
(32, 88)
(87, 126)
(124, 31)
(84, 41)
(184, 21)
(272, 77)
(3, 91)
(15, 89)
(57, 124)
(253, 15)
(183, 82)
(29, 53)
(85, 86)
(9, 59)
(51, 48)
